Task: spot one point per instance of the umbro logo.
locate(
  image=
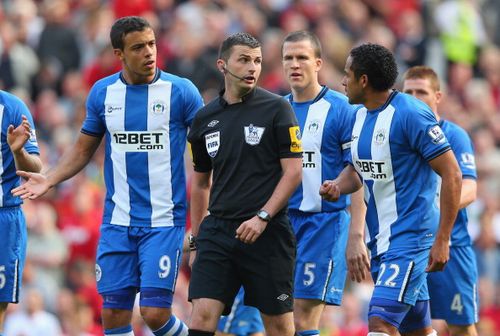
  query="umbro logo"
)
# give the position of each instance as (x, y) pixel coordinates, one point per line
(282, 297)
(213, 123)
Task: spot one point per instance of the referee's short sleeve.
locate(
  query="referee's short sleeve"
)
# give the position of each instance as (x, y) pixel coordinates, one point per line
(287, 131)
(201, 160)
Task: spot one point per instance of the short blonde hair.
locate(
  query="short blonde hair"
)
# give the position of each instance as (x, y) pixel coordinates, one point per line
(423, 72)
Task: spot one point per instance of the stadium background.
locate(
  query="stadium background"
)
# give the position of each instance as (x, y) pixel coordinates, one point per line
(52, 51)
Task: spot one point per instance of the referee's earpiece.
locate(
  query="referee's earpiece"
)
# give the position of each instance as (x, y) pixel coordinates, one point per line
(225, 70)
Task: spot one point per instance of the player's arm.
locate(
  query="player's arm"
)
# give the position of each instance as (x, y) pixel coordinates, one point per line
(200, 185)
(347, 182)
(16, 139)
(200, 191)
(290, 180)
(451, 180)
(70, 164)
(464, 153)
(358, 263)
(26, 161)
(250, 230)
(469, 192)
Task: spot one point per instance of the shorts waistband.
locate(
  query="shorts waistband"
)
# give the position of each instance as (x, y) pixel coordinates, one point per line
(10, 208)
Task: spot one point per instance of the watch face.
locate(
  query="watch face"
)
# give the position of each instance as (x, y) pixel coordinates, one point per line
(262, 214)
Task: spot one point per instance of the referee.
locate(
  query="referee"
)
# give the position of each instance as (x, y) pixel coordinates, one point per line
(250, 139)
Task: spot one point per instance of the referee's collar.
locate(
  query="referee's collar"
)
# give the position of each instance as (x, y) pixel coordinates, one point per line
(244, 98)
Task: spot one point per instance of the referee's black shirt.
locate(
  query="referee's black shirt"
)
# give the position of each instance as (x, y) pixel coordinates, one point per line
(243, 144)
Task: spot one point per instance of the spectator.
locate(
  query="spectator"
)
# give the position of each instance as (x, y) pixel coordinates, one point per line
(32, 319)
(47, 252)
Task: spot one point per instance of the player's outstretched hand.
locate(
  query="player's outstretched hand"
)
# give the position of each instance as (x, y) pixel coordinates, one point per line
(329, 190)
(358, 264)
(17, 136)
(35, 186)
(250, 230)
(439, 255)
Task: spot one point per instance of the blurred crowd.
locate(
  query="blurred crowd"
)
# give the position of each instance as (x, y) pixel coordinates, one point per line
(52, 51)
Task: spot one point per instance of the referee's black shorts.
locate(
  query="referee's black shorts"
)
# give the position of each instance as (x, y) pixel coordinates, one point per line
(265, 268)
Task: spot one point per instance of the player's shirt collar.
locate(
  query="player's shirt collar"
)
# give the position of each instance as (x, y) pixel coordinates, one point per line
(155, 78)
(324, 90)
(388, 101)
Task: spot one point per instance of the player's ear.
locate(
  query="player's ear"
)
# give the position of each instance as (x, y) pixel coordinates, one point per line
(118, 53)
(439, 96)
(221, 65)
(319, 63)
(364, 80)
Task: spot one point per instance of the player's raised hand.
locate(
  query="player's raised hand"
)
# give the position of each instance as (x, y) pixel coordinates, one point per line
(329, 190)
(439, 255)
(17, 136)
(35, 186)
(358, 264)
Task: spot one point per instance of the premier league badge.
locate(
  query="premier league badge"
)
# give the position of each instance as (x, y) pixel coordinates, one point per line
(253, 134)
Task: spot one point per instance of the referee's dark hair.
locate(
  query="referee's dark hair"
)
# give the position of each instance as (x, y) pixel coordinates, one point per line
(377, 63)
(124, 26)
(244, 39)
(302, 35)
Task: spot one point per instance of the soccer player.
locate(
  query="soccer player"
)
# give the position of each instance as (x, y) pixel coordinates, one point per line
(143, 113)
(397, 144)
(19, 151)
(241, 321)
(249, 139)
(453, 291)
(321, 228)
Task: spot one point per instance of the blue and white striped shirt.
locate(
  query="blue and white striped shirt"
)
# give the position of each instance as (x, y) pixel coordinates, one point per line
(145, 128)
(326, 124)
(11, 111)
(390, 150)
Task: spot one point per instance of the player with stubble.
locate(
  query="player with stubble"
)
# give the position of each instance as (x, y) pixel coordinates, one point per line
(321, 227)
(247, 141)
(397, 145)
(143, 115)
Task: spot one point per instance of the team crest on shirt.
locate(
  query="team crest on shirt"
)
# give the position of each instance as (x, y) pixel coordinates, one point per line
(253, 134)
(212, 142)
(379, 137)
(98, 272)
(437, 135)
(158, 107)
(313, 127)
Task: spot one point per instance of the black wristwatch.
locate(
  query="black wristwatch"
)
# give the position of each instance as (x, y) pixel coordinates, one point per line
(262, 214)
(192, 242)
